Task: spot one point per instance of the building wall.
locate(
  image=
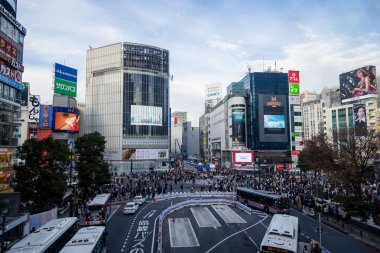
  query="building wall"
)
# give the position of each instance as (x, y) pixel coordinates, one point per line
(216, 136)
(312, 112)
(203, 137)
(104, 93)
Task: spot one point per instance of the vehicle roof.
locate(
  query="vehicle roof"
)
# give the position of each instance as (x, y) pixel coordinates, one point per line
(85, 238)
(100, 199)
(261, 192)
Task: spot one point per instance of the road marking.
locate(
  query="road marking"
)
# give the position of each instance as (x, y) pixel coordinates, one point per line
(227, 214)
(113, 213)
(182, 233)
(245, 232)
(154, 234)
(204, 217)
(228, 237)
(150, 214)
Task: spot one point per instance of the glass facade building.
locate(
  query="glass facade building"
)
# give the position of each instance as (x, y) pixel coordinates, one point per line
(268, 102)
(127, 100)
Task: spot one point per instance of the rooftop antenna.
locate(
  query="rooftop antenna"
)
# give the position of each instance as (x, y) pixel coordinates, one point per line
(263, 63)
(275, 66)
(249, 68)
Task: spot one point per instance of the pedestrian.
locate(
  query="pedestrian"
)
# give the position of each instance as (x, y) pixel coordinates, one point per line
(305, 249)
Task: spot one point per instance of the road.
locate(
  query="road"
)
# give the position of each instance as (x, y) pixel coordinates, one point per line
(134, 233)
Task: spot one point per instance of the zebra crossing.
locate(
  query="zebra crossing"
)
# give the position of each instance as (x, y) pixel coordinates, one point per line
(181, 230)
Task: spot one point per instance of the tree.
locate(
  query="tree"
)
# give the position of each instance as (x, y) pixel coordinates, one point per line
(93, 171)
(40, 176)
(354, 159)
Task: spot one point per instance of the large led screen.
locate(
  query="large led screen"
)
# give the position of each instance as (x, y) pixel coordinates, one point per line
(273, 118)
(358, 84)
(243, 157)
(66, 119)
(238, 126)
(146, 115)
(274, 121)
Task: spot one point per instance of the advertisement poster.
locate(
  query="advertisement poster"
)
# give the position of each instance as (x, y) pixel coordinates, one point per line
(146, 115)
(358, 84)
(24, 94)
(65, 80)
(46, 117)
(274, 116)
(243, 157)
(360, 120)
(238, 126)
(144, 154)
(34, 108)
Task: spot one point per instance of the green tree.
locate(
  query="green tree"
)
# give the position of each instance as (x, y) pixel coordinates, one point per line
(41, 174)
(92, 170)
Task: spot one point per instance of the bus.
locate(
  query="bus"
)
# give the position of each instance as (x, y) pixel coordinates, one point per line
(87, 240)
(50, 237)
(98, 210)
(263, 200)
(282, 235)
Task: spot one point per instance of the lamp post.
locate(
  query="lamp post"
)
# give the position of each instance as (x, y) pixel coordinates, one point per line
(131, 166)
(4, 206)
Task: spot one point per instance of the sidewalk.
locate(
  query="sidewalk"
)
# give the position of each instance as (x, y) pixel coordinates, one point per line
(366, 236)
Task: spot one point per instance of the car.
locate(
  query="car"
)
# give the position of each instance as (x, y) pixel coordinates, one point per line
(139, 199)
(131, 207)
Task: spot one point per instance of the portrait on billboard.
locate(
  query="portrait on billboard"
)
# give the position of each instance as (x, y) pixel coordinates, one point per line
(129, 153)
(238, 126)
(358, 84)
(360, 120)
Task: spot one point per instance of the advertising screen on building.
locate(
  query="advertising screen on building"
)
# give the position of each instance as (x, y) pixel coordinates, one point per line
(243, 157)
(66, 119)
(146, 115)
(273, 118)
(24, 94)
(65, 80)
(238, 126)
(145, 154)
(360, 120)
(358, 84)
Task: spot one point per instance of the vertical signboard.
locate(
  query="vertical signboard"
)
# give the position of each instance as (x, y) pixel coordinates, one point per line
(65, 80)
(360, 120)
(24, 94)
(34, 108)
(46, 117)
(296, 116)
(238, 126)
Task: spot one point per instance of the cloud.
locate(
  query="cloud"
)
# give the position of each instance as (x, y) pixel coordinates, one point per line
(219, 43)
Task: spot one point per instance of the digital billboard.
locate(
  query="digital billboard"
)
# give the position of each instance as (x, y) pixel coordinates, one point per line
(145, 154)
(213, 91)
(238, 126)
(146, 115)
(65, 80)
(243, 157)
(360, 120)
(24, 94)
(66, 119)
(273, 118)
(358, 84)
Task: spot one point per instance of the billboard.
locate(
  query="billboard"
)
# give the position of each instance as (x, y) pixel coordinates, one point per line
(66, 119)
(360, 120)
(146, 115)
(238, 126)
(243, 157)
(34, 108)
(10, 6)
(358, 84)
(65, 80)
(145, 154)
(213, 91)
(293, 76)
(24, 94)
(46, 117)
(273, 118)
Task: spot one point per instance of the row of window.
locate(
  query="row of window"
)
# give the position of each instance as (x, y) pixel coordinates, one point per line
(10, 93)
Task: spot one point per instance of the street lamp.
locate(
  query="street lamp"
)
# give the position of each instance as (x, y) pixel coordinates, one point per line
(4, 207)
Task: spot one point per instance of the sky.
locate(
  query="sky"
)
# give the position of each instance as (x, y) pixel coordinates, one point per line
(208, 40)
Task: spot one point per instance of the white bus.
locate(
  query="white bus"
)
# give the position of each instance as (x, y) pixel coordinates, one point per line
(51, 237)
(281, 235)
(87, 240)
(263, 200)
(98, 210)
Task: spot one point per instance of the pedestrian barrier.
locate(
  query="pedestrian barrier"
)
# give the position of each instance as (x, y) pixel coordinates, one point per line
(194, 202)
(173, 195)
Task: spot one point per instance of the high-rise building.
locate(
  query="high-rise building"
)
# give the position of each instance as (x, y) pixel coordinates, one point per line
(190, 141)
(127, 101)
(12, 35)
